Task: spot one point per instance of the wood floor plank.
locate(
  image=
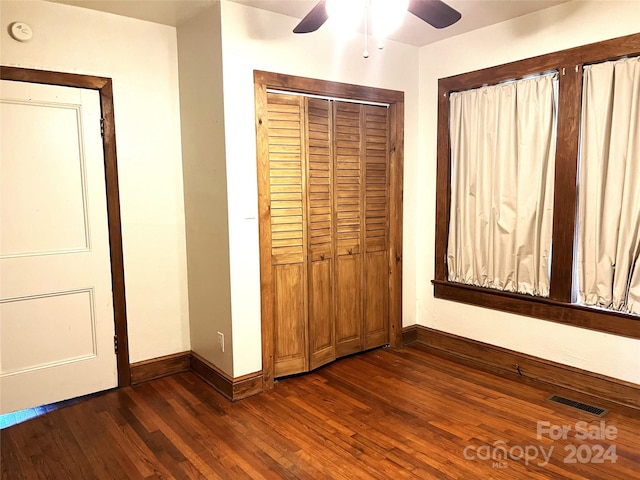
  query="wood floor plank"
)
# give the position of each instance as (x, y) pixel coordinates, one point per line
(388, 413)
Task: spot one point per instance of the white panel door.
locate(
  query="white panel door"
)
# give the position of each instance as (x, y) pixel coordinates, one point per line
(56, 304)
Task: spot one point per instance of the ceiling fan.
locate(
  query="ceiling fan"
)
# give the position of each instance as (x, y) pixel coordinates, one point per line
(435, 12)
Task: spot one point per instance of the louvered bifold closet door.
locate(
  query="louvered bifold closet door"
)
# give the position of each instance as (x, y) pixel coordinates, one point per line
(348, 209)
(287, 154)
(376, 241)
(320, 233)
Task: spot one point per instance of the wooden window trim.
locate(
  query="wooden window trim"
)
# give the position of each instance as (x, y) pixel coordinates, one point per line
(395, 99)
(105, 88)
(558, 307)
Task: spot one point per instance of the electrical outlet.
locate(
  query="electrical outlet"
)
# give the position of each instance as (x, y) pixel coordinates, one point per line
(221, 341)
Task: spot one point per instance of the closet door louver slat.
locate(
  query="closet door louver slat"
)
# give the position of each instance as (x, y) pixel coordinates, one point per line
(319, 184)
(376, 178)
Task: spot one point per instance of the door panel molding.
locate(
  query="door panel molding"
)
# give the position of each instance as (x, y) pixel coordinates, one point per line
(84, 349)
(104, 86)
(301, 85)
(42, 242)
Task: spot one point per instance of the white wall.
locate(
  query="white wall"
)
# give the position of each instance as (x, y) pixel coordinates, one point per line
(256, 39)
(205, 185)
(141, 57)
(565, 26)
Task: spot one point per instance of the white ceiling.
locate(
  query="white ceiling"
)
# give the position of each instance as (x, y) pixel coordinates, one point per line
(475, 13)
(166, 12)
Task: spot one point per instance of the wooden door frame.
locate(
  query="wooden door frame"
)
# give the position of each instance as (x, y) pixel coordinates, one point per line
(105, 88)
(395, 99)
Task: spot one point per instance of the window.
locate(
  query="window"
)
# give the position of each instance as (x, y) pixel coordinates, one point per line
(609, 186)
(560, 197)
(502, 161)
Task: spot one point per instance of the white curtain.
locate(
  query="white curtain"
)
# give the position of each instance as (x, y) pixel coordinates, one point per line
(609, 188)
(503, 140)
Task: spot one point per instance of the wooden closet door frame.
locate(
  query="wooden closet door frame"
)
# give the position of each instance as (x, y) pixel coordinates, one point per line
(395, 100)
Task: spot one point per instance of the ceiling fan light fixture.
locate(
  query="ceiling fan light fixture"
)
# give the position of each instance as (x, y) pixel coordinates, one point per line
(345, 16)
(387, 16)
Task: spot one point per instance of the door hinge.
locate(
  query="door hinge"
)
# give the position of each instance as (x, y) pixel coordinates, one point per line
(115, 344)
(102, 127)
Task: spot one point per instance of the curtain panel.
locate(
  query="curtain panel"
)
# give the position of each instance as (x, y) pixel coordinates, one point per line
(609, 187)
(503, 141)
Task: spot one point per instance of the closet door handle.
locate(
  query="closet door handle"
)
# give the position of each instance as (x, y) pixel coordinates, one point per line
(350, 251)
(322, 256)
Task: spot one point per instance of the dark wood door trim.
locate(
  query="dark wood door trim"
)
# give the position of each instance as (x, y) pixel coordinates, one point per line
(302, 85)
(105, 88)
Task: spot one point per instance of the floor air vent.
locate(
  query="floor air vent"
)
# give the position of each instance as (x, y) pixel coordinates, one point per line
(584, 407)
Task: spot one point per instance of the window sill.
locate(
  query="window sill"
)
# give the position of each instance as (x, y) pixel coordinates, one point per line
(539, 307)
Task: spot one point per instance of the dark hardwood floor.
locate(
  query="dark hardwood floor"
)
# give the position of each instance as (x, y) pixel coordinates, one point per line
(384, 414)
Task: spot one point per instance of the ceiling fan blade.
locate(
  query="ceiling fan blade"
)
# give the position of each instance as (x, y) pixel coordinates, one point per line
(435, 12)
(314, 19)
